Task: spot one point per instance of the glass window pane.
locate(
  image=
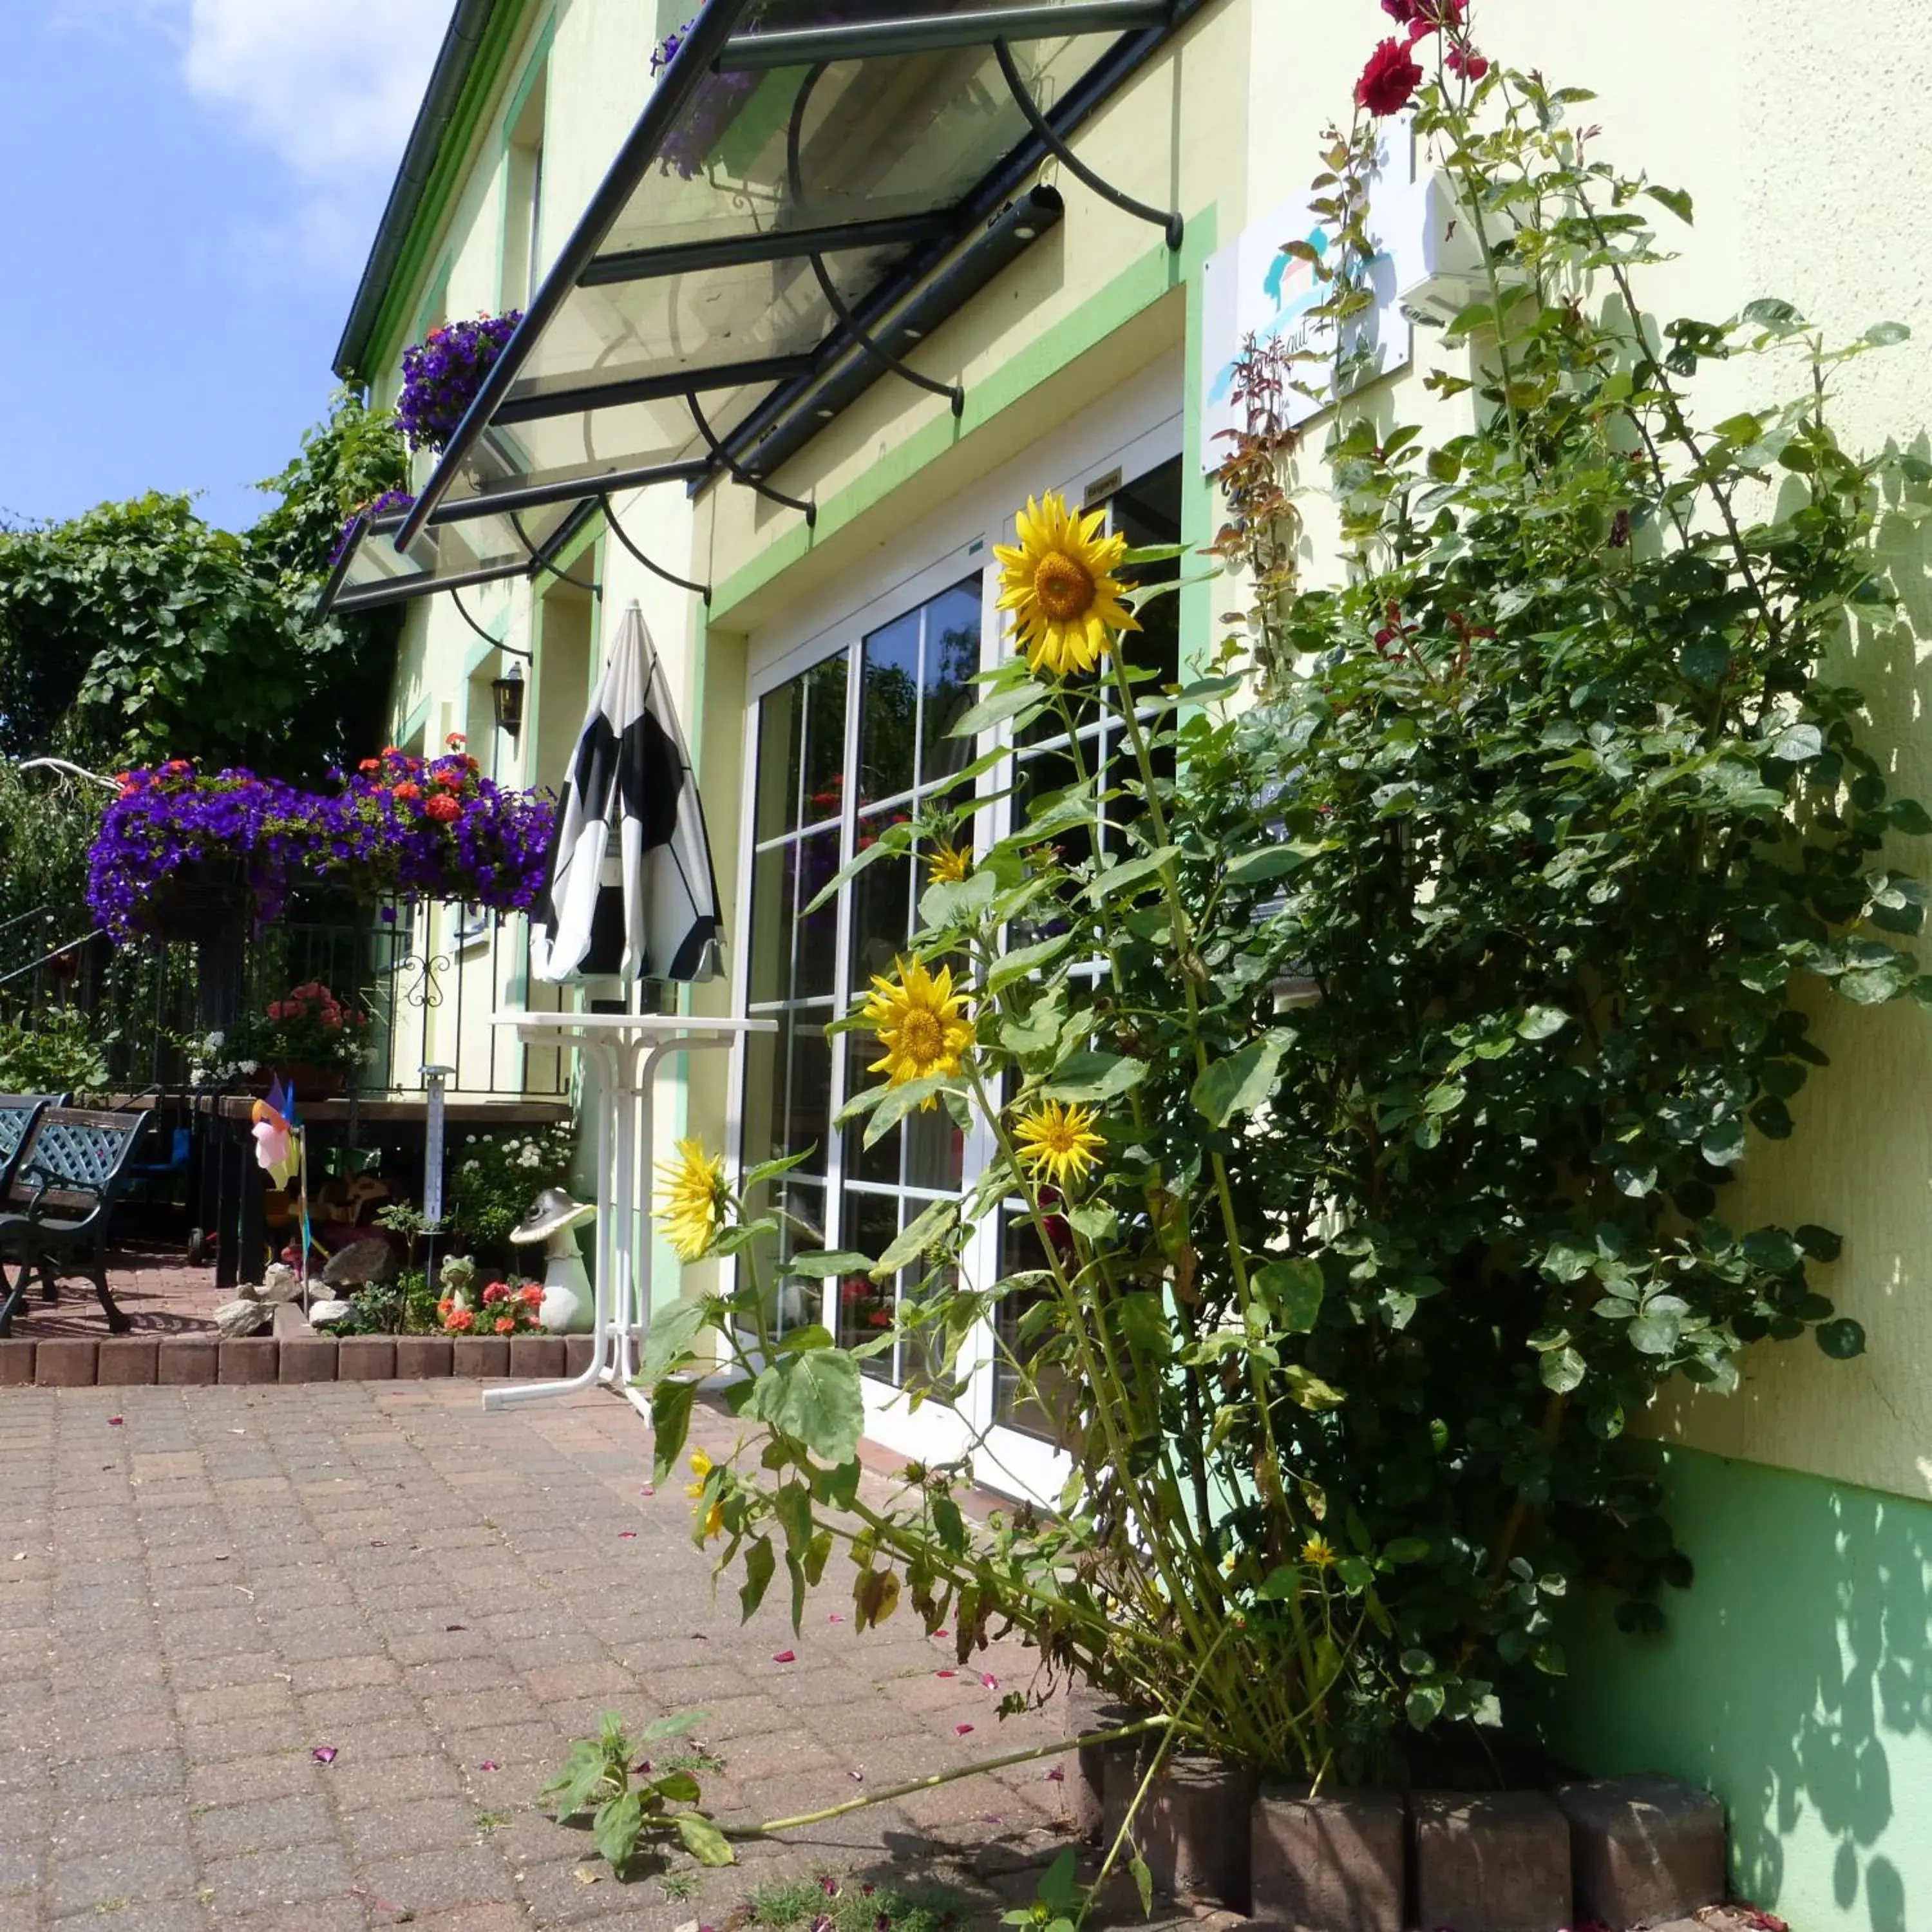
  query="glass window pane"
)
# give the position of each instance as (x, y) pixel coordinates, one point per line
(865, 1305)
(825, 740)
(780, 741)
(935, 1150)
(790, 1301)
(816, 858)
(788, 1093)
(1048, 1410)
(952, 657)
(773, 877)
(882, 911)
(880, 1163)
(889, 710)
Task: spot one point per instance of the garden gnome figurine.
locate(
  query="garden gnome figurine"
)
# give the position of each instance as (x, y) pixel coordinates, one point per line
(554, 1219)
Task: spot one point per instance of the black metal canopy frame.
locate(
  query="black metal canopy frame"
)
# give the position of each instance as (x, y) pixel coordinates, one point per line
(799, 205)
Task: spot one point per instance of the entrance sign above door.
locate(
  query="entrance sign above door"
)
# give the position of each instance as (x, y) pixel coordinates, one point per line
(1251, 290)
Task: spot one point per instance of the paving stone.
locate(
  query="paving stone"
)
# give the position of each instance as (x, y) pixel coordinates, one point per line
(1643, 1849)
(366, 1358)
(257, 1879)
(440, 1880)
(481, 1355)
(1338, 1859)
(263, 1824)
(236, 1780)
(131, 1873)
(538, 1357)
(65, 1362)
(420, 1357)
(17, 1362)
(1497, 1862)
(125, 1361)
(306, 1358)
(252, 1359)
(579, 1350)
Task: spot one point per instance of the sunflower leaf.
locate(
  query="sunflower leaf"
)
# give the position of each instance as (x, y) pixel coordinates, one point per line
(924, 1234)
(899, 1102)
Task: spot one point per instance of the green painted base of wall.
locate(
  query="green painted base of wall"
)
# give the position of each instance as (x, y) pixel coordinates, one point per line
(1795, 1681)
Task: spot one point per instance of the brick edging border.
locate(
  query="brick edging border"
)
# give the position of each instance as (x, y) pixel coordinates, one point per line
(130, 1361)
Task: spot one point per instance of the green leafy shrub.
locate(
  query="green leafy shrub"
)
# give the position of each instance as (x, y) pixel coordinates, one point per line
(496, 1177)
(1369, 1093)
(60, 1050)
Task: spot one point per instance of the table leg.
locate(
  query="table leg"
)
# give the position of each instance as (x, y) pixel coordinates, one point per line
(601, 1321)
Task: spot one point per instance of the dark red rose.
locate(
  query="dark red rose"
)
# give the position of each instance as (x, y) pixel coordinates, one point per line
(1389, 81)
(1468, 62)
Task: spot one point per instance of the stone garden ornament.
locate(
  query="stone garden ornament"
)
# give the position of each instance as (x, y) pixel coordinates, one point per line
(554, 1219)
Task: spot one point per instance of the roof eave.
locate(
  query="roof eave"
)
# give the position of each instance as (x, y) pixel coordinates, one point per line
(454, 63)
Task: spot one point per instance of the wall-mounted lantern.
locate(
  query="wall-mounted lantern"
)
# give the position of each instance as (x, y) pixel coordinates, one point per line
(506, 695)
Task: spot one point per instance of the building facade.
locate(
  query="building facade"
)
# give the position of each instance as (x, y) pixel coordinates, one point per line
(819, 672)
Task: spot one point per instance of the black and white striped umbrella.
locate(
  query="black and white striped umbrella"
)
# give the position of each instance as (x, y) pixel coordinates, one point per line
(631, 889)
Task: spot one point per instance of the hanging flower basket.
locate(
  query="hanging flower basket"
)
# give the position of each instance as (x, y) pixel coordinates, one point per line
(441, 374)
(176, 844)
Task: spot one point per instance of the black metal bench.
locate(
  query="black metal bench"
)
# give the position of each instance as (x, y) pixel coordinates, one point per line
(59, 1202)
(18, 1113)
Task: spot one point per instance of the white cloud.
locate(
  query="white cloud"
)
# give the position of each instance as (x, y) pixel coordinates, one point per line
(330, 88)
(330, 85)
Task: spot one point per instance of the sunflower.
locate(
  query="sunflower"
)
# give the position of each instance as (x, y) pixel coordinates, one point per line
(1059, 1142)
(921, 1022)
(949, 864)
(1319, 1551)
(701, 1466)
(1060, 586)
(693, 1199)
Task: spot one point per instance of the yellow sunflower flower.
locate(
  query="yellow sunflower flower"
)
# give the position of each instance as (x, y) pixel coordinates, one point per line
(1319, 1551)
(693, 1199)
(949, 864)
(1059, 1142)
(714, 1521)
(1060, 586)
(921, 1022)
(701, 1466)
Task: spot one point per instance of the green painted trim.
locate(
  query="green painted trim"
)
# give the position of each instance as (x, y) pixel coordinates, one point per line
(418, 720)
(1792, 1679)
(504, 34)
(1137, 287)
(436, 297)
(499, 628)
(1200, 497)
(591, 534)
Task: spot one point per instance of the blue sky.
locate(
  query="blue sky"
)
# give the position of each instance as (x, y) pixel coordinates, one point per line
(192, 187)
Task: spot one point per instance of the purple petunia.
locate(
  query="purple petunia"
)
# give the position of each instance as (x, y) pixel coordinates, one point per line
(398, 828)
(441, 374)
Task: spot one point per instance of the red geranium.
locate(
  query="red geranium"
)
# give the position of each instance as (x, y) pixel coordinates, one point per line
(409, 788)
(443, 808)
(1389, 80)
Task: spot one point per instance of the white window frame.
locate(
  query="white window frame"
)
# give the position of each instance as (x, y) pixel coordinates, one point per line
(1135, 430)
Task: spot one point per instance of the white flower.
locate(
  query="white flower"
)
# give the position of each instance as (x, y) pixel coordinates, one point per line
(532, 1158)
(249, 1066)
(214, 1042)
(196, 1075)
(470, 1166)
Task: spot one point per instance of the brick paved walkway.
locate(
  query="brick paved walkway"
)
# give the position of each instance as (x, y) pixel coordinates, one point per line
(195, 1599)
(159, 1292)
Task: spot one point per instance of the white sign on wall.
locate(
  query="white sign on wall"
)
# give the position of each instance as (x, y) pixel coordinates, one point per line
(1252, 288)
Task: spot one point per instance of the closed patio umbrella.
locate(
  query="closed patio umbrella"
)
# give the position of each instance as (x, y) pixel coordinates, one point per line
(631, 889)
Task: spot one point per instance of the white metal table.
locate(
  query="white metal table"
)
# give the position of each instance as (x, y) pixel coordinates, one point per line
(628, 1050)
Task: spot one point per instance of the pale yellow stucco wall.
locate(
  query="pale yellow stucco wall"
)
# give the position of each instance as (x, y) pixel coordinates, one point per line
(1802, 132)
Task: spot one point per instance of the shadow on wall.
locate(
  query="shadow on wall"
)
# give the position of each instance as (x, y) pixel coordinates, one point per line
(1794, 1680)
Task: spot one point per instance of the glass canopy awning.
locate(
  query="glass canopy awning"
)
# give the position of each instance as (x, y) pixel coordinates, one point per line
(813, 188)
